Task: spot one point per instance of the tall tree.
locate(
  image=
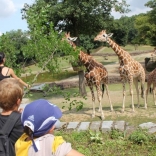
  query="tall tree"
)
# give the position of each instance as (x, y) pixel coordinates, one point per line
(124, 30)
(78, 17)
(45, 43)
(11, 44)
(152, 20)
(146, 24)
(144, 29)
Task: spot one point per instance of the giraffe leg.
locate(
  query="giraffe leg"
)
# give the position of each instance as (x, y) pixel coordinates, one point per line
(143, 92)
(147, 90)
(144, 96)
(93, 103)
(137, 91)
(90, 85)
(93, 99)
(99, 95)
(131, 91)
(107, 92)
(154, 90)
(124, 94)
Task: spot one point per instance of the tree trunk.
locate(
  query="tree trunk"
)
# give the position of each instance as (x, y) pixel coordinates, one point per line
(82, 86)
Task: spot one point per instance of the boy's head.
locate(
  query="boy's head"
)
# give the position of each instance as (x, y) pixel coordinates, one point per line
(11, 92)
(40, 116)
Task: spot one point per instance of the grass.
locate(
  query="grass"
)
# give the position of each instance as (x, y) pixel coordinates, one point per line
(49, 77)
(140, 115)
(114, 143)
(81, 141)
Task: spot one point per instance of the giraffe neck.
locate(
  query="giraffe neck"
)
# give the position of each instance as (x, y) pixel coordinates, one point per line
(73, 45)
(122, 54)
(88, 61)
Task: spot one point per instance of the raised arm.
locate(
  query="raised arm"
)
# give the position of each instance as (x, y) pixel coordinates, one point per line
(12, 73)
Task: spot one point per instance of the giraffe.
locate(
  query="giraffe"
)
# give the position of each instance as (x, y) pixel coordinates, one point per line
(151, 79)
(129, 69)
(96, 74)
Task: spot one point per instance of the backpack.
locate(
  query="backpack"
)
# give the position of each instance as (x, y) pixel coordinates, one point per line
(6, 146)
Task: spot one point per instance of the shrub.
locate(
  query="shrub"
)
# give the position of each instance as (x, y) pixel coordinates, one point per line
(140, 136)
(116, 134)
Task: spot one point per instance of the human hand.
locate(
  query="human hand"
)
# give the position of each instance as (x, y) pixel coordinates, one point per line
(28, 86)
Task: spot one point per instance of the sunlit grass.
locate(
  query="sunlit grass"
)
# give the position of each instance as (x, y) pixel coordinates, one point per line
(140, 115)
(118, 146)
(49, 77)
(116, 93)
(81, 141)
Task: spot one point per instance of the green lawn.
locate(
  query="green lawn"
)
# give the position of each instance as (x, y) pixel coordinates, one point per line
(65, 98)
(141, 115)
(113, 143)
(49, 77)
(119, 144)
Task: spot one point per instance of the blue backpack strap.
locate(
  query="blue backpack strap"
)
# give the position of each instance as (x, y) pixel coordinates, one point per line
(8, 126)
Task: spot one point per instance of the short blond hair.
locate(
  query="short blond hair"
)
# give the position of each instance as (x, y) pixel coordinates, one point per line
(10, 91)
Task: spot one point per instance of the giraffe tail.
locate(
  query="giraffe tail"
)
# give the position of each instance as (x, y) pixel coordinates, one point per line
(103, 89)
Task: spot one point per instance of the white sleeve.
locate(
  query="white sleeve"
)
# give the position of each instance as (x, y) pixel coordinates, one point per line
(63, 149)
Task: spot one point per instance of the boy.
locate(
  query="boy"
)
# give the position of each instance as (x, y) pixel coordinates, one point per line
(11, 92)
(39, 119)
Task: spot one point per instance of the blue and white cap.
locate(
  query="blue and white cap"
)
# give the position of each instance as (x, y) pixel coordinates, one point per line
(40, 115)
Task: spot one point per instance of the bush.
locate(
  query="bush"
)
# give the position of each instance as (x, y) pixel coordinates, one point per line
(116, 134)
(140, 136)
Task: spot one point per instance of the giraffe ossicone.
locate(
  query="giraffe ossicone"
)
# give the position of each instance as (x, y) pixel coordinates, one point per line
(96, 74)
(130, 70)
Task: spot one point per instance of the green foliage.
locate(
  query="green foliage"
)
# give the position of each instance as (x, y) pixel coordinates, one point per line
(45, 43)
(79, 17)
(116, 134)
(140, 136)
(145, 24)
(124, 30)
(11, 44)
(86, 41)
(78, 104)
(81, 141)
(96, 137)
(152, 20)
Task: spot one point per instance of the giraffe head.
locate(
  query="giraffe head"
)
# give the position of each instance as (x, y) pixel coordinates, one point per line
(70, 39)
(103, 36)
(84, 58)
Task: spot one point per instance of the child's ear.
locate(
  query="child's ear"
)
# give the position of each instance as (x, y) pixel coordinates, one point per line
(18, 102)
(52, 129)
